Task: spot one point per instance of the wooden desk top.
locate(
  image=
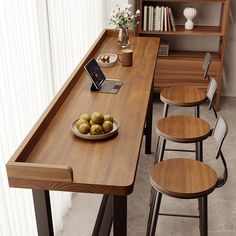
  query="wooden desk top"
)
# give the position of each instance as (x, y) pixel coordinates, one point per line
(52, 158)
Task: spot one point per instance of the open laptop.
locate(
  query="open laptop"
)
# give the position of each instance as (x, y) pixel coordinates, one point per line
(100, 82)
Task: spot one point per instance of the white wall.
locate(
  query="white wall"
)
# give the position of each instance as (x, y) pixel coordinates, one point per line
(209, 43)
(230, 56)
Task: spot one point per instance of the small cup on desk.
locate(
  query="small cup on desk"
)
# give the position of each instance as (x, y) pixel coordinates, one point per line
(126, 57)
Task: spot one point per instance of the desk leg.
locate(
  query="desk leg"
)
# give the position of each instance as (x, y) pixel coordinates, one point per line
(104, 219)
(119, 215)
(148, 128)
(43, 213)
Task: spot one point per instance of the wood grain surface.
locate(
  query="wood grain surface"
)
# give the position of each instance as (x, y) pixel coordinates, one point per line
(106, 166)
(34, 171)
(183, 129)
(183, 178)
(183, 96)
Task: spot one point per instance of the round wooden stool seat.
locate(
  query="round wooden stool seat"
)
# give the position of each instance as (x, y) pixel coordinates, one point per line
(183, 96)
(183, 178)
(184, 129)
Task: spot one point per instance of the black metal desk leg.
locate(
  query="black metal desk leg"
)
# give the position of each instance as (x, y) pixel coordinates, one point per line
(119, 215)
(148, 128)
(104, 218)
(43, 213)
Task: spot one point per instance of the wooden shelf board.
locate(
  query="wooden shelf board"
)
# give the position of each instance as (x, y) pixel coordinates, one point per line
(180, 30)
(189, 55)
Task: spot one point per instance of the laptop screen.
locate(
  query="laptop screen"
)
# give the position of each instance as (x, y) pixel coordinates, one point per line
(95, 73)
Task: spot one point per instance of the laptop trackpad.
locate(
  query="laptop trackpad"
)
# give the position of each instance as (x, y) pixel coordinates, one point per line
(110, 86)
(116, 86)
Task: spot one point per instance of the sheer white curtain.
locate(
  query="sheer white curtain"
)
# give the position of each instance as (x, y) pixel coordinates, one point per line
(74, 26)
(41, 42)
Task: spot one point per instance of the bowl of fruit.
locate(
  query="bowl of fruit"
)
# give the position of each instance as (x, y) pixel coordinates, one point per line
(95, 126)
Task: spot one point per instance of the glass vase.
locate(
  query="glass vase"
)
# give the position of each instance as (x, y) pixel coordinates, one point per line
(123, 38)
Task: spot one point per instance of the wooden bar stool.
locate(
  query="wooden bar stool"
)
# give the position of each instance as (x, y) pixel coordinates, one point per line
(175, 129)
(187, 96)
(181, 129)
(187, 179)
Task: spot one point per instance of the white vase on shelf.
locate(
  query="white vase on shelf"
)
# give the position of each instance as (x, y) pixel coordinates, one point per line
(189, 13)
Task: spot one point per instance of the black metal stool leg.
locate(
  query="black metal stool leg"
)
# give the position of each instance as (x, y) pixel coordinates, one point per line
(155, 161)
(200, 215)
(199, 151)
(203, 216)
(152, 230)
(151, 204)
(165, 110)
(162, 149)
(197, 111)
(158, 157)
(157, 149)
(161, 143)
(197, 114)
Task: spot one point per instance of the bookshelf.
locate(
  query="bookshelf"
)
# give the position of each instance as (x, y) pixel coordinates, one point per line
(184, 66)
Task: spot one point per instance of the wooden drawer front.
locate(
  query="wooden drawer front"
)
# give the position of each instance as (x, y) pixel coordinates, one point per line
(187, 67)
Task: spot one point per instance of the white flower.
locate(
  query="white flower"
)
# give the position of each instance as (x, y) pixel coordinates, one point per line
(123, 17)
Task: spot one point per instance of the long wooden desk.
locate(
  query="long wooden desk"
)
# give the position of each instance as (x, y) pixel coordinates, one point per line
(52, 158)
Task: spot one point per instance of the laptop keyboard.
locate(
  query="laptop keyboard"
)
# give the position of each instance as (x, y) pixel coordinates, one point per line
(108, 85)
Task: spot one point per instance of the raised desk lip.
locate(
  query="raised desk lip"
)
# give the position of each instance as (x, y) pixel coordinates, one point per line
(28, 167)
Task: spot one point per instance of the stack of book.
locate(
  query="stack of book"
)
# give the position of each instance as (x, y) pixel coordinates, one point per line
(158, 18)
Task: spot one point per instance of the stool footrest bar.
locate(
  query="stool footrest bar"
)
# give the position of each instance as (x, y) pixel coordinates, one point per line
(178, 150)
(178, 215)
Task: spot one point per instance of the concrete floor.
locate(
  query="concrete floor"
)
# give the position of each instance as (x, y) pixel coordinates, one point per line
(221, 204)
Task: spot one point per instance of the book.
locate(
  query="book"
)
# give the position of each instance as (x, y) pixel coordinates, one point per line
(158, 18)
(162, 18)
(145, 18)
(151, 19)
(172, 20)
(165, 18)
(168, 19)
(154, 18)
